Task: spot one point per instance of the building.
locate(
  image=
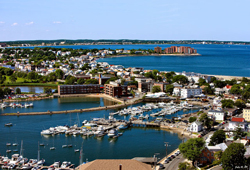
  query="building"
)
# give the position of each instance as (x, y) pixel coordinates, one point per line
(162, 85)
(3, 45)
(144, 84)
(115, 89)
(114, 164)
(217, 115)
(78, 89)
(196, 127)
(246, 113)
(158, 49)
(188, 92)
(180, 50)
(207, 154)
(237, 122)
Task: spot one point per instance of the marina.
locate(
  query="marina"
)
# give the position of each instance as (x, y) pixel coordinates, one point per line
(95, 146)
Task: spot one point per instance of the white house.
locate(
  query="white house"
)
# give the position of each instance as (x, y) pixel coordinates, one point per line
(237, 122)
(188, 92)
(217, 115)
(195, 127)
(177, 91)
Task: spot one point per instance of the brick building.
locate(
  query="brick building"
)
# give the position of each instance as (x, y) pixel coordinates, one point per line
(180, 49)
(115, 89)
(157, 49)
(162, 85)
(78, 89)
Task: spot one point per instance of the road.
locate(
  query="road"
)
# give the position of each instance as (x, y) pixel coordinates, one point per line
(173, 165)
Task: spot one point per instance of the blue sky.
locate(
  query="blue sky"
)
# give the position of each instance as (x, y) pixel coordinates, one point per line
(226, 20)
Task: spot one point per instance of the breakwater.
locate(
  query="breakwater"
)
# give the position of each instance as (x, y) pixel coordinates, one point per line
(71, 111)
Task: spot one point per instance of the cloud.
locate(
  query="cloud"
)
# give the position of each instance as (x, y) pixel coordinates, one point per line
(30, 23)
(1, 22)
(57, 22)
(14, 24)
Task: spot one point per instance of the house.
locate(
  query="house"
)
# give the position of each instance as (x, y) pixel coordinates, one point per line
(217, 115)
(196, 127)
(246, 113)
(114, 164)
(188, 92)
(177, 91)
(237, 122)
(207, 154)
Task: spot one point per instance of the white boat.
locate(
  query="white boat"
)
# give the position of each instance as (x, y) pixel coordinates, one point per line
(77, 150)
(46, 132)
(100, 131)
(8, 144)
(15, 144)
(112, 133)
(8, 151)
(52, 148)
(8, 124)
(90, 124)
(122, 126)
(41, 162)
(146, 116)
(64, 146)
(65, 164)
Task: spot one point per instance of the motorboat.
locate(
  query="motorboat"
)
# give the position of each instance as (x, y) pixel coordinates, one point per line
(112, 133)
(90, 124)
(41, 162)
(100, 131)
(84, 122)
(70, 145)
(64, 146)
(8, 124)
(8, 144)
(52, 148)
(77, 150)
(8, 151)
(46, 132)
(122, 126)
(15, 144)
(65, 164)
(27, 167)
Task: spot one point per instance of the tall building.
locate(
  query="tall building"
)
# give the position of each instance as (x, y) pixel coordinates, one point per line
(180, 49)
(78, 89)
(115, 89)
(157, 49)
(246, 113)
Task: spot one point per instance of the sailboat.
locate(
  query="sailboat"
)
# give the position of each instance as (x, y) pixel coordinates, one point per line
(39, 162)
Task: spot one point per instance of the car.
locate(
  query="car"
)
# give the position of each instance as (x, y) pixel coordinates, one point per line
(172, 156)
(161, 166)
(169, 158)
(176, 154)
(166, 161)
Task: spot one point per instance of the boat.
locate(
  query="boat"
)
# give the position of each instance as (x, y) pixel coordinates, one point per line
(52, 148)
(65, 164)
(100, 131)
(46, 132)
(122, 126)
(8, 151)
(41, 144)
(41, 162)
(70, 145)
(15, 150)
(15, 144)
(64, 146)
(8, 144)
(27, 167)
(112, 133)
(77, 150)
(8, 124)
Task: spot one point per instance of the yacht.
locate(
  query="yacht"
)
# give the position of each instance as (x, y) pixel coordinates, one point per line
(65, 164)
(46, 132)
(112, 133)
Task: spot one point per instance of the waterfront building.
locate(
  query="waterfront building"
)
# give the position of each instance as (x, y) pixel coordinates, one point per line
(144, 84)
(115, 89)
(217, 115)
(158, 50)
(188, 92)
(180, 50)
(246, 113)
(196, 127)
(115, 164)
(78, 89)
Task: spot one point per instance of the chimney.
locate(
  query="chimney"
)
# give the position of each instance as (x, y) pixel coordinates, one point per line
(120, 167)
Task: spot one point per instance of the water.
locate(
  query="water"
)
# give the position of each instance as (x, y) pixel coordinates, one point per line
(58, 104)
(33, 89)
(215, 59)
(135, 142)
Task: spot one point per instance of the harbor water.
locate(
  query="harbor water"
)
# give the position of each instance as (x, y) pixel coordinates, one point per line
(59, 104)
(135, 142)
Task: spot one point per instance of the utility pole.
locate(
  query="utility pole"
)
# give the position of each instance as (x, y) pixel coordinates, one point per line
(166, 144)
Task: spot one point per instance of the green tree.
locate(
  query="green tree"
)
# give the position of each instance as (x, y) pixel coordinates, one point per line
(218, 137)
(91, 81)
(208, 90)
(185, 166)
(240, 104)
(201, 81)
(169, 89)
(8, 71)
(192, 119)
(246, 95)
(236, 89)
(233, 156)
(80, 81)
(70, 80)
(13, 78)
(59, 73)
(1, 93)
(31, 75)
(206, 121)
(156, 89)
(239, 133)
(18, 90)
(6, 91)
(180, 79)
(219, 84)
(192, 148)
(47, 90)
(227, 103)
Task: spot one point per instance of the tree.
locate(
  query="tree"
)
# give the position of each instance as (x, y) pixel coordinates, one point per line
(201, 81)
(13, 78)
(240, 104)
(208, 90)
(80, 81)
(18, 90)
(206, 121)
(185, 166)
(91, 81)
(236, 89)
(192, 148)
(246, 95)
(70, 80)
(192, 119)
(180, 79)
(47, 90)
(31, 75)
(6, 91)
(233, 156)
(169, 89)
(227, 103)
(1, 93)
(219, 83)
(8, 71)
(218, 137)
(239, 133)
(156, 89)
(59, 73)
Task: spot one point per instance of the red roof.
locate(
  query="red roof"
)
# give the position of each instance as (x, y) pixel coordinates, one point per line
(237, 119)
(228, 86)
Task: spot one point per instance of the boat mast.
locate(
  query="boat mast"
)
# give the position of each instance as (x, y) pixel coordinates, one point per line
(21, 150)
(38, 155)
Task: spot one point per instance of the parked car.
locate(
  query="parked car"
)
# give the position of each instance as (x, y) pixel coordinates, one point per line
(161, 166)
(169, 158)
(166, 161)
(172, 156)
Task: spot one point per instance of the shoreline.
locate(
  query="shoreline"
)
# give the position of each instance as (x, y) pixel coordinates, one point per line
(137, 55)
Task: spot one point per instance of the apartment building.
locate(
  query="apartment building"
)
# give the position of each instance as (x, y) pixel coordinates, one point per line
(246, 113)
(78, 89)
(115, 89)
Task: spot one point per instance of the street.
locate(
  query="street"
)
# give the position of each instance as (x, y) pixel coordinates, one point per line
(173, 165)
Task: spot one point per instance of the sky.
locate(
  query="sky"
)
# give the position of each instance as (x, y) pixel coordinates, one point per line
(223, 20)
